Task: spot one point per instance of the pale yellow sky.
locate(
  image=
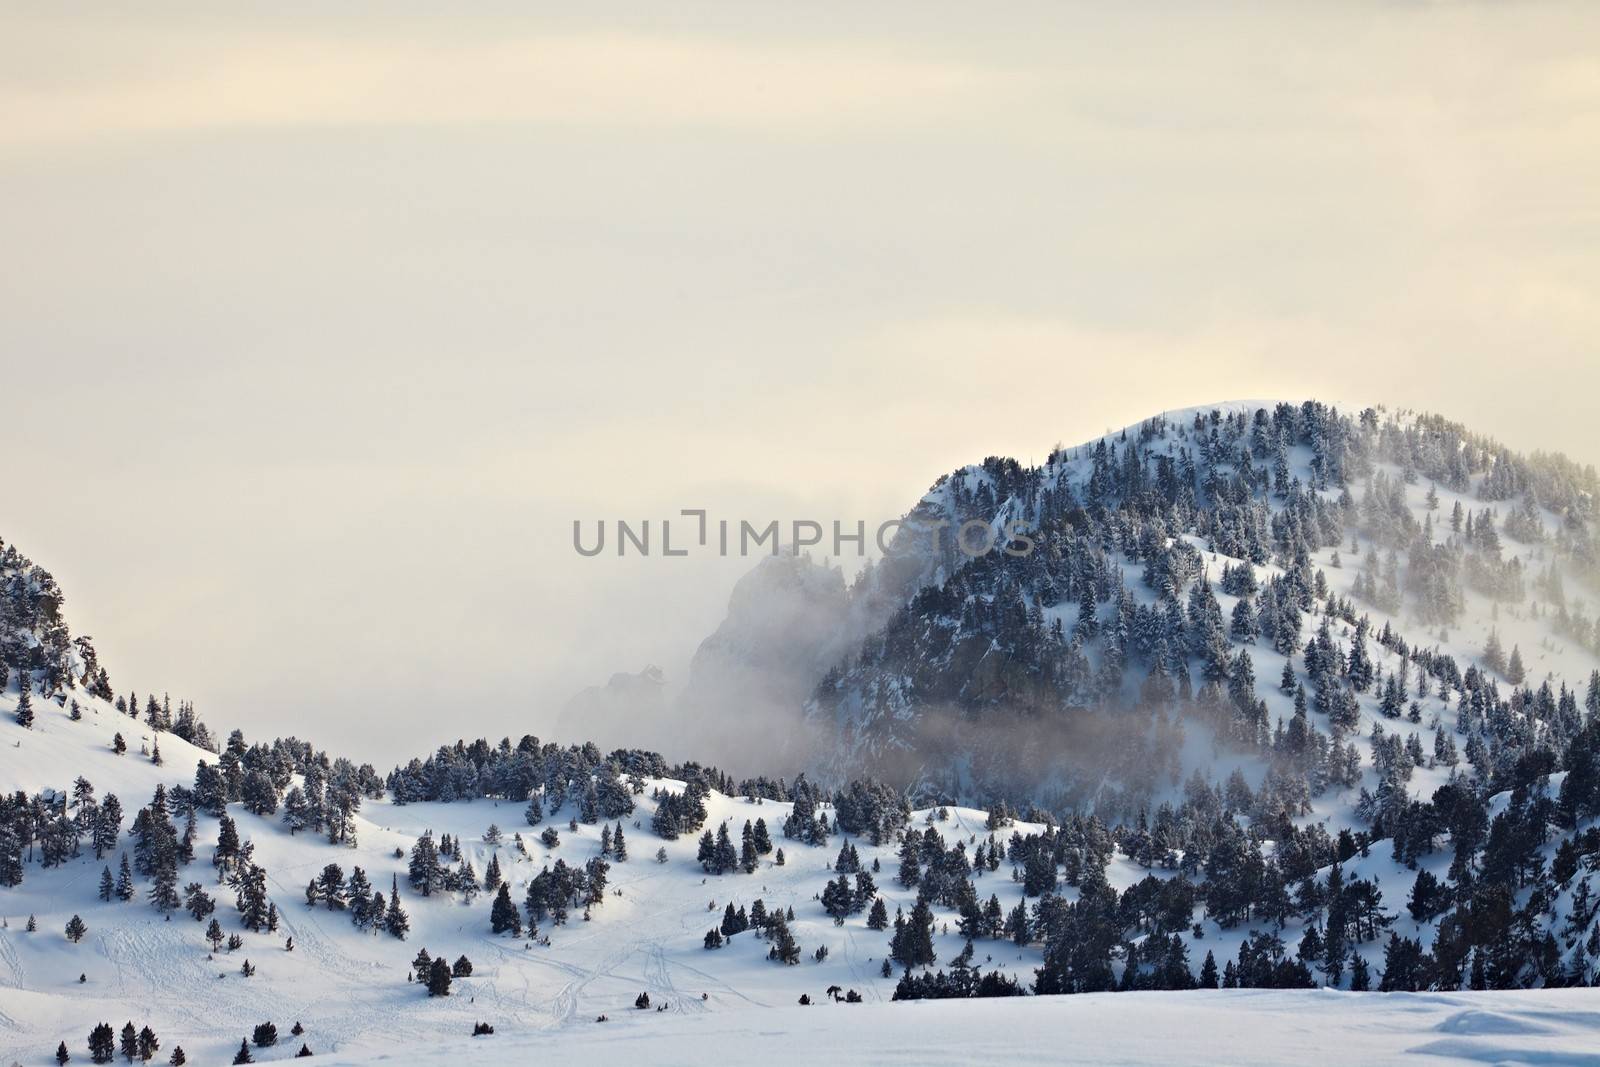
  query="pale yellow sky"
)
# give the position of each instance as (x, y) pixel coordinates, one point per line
(319, 330)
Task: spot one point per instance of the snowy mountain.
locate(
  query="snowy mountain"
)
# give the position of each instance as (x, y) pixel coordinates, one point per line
(998, 669)
(1278, 697)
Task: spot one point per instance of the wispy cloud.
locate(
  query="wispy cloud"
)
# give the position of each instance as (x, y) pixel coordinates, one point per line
(264, 80)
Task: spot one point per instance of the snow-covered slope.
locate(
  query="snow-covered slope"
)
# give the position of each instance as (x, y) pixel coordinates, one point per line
(1242, 1028)
(349, 989)
(1249, 662)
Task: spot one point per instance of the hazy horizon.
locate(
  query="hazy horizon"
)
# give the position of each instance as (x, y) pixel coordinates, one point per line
(321, 330)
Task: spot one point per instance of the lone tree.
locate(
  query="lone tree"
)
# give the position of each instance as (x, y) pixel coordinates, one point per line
(76, 928)
(243, 1055)
(62, 1055)
(266, 1035)
(25, 704)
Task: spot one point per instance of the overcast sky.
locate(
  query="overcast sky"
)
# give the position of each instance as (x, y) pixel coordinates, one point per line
(319, 330)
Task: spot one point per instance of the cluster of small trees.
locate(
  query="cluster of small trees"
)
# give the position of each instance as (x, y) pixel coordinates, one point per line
(718, 856)
(770, 926)
(437, 974)
(134, 1044)
(366, 905)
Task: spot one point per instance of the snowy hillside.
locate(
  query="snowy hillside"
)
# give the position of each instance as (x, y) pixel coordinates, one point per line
(1407, 522)
(1254, 1028)
(349, 988)
(1280, 698)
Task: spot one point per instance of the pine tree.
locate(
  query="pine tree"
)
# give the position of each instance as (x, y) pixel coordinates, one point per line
(725, 857)
(164, 882)
(148, 1044)
(228, 845)
(749, 859)
(62, 1055)
(256, 912)
(179, 1057)
(25, 704)
(243, 1055)
(107, 825)
(784, 947)
(439, 978)
(425, 871)
(124, 880)
(107, 886)
(330, 887)
(503, 915)
(1494, 656)
(102, 1043)
(1516, 673)
(396, 922)
(130, 1042)
(266, 1035)
(76, 929)
(358, 896)
(910, 868)
(619, 848)
(198, 902)
(1360, 976)
(920, 926)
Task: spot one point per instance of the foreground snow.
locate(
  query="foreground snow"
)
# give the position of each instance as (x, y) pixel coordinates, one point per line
(1238, 1027)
